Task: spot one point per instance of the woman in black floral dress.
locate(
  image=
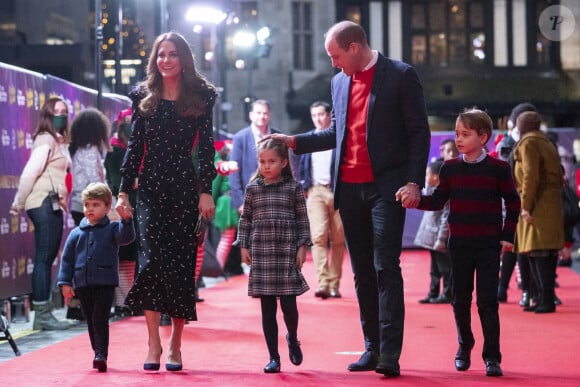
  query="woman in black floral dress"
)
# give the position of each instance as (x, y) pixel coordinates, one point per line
(172, 113)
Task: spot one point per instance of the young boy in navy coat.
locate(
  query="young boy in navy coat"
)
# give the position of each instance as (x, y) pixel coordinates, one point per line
(89, 267)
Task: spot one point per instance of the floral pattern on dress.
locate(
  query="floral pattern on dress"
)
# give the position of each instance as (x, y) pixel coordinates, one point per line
(159, 153)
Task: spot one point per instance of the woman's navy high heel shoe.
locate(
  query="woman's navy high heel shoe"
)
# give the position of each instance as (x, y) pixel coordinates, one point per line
(174, 366)
(151, 366)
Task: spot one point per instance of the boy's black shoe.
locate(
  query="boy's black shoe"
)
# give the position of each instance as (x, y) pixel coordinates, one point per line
(441, 300)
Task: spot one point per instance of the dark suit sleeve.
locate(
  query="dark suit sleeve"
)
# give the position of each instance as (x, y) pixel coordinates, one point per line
(417, 126)
(315, 142)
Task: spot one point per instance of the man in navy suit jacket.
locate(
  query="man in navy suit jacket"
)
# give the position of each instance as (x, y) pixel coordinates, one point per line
(380, 130)
(244, 150)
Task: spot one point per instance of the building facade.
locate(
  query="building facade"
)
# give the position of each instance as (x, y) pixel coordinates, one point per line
(487, 53)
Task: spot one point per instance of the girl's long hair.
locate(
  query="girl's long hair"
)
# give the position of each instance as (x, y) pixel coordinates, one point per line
(196, 93)
(90, 127)
(281, 150)
(45, 124)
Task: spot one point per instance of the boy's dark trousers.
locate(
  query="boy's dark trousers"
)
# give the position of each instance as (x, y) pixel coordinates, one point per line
(484, 263)
(96, 302)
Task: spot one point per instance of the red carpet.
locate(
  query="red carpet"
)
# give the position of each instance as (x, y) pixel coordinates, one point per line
(226, 347)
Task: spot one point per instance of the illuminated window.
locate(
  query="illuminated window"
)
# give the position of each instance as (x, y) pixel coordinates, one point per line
(447, 33)
(302, 35)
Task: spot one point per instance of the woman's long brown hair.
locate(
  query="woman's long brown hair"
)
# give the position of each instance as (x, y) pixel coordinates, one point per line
(194, 91)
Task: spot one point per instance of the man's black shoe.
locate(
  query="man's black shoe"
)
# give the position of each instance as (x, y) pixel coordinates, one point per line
(367, 362)
(323, 293)
(463, 359)
(492, 368)
(100, 363)
(388, 368)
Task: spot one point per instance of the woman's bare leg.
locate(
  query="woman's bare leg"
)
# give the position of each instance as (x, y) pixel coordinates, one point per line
(155, 349)
(174, 355)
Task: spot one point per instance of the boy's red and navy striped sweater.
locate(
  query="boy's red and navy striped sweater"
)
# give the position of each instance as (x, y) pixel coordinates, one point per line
(475, 192)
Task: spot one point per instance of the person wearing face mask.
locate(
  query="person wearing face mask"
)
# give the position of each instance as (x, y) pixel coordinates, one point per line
(42, 194)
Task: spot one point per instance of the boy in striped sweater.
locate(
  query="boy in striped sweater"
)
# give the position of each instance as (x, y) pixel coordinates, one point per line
(475, 184)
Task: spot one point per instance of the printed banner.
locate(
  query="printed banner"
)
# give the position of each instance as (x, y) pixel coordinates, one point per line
(22, 94)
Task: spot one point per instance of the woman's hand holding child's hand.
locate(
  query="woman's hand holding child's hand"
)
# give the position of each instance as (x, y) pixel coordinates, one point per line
(123, 207)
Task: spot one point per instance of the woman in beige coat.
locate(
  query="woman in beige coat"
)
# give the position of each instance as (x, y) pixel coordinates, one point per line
(42, 194)
(540, 230)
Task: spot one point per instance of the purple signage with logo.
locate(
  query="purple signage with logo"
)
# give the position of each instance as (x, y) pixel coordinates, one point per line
(22, 94)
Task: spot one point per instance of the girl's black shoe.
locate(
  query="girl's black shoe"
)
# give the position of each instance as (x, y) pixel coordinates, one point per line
(272, 367)
(294, 351)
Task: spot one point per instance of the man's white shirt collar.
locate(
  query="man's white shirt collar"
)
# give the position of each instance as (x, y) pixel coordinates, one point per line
(257, 134)
(373, 61)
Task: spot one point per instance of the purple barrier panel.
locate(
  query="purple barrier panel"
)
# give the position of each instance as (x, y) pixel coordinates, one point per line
(77, 97)
(21, 96)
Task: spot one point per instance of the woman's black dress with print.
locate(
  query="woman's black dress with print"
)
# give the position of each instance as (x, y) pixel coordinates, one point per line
(159, 153)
